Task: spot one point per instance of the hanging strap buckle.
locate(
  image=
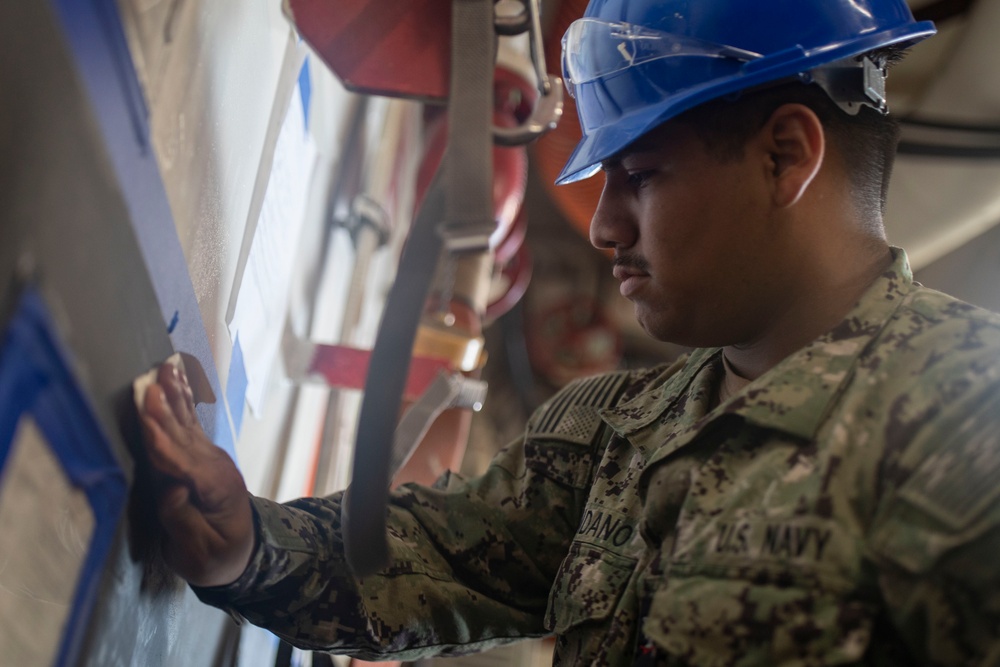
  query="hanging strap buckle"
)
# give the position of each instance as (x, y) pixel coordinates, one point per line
(549, 107)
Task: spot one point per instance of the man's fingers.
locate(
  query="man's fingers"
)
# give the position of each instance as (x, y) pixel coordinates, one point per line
(180, 451)
(203, 504)
(164, 452)
(188, 394)
(178, 394)
(158, 408)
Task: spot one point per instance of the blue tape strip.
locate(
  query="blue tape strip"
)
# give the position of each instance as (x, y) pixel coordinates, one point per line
(173, 322)
(305, 90)
(236, 386)
(94, 31)
(35, 379)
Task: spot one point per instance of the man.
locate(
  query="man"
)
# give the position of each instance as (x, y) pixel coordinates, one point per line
(815, 484)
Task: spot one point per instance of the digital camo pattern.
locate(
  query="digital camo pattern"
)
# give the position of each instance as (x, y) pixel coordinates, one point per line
(842, 509)
(473, 561)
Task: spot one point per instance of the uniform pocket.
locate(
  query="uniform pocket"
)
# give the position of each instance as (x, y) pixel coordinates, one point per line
(744, 621)
(587, 587)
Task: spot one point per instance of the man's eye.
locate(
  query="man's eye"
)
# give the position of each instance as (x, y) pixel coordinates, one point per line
(638, 178)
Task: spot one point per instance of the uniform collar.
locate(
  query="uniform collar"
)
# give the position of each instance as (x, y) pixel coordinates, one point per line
(793, 397)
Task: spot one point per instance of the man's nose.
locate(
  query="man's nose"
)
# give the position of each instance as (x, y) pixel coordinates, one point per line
(611, 227)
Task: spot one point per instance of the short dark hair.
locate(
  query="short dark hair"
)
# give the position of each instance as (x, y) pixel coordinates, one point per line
(866, 142)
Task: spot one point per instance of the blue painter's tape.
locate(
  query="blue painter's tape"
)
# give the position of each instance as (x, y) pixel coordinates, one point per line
(94, 29)
(236, 386)
(305, 90)
(36, 381)
(95, 33)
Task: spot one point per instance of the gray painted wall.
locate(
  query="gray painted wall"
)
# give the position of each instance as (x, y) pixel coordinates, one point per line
(62, 214)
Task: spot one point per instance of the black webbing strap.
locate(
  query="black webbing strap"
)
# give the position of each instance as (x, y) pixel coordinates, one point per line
(457, 214)
(468, 162)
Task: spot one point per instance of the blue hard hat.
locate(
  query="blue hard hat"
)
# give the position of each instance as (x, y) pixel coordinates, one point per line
(634, 64)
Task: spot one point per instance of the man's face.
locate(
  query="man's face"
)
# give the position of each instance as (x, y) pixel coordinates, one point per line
(695, 245)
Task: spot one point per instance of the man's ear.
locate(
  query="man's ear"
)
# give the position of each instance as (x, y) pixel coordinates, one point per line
(796, 144)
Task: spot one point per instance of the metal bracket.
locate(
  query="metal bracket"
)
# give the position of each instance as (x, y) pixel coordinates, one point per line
(467, 237)
(446, 391)
(549, 107)
(853, 83)
(366, 213)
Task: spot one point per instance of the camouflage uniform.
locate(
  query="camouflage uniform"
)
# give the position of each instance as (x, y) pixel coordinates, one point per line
(842, 509)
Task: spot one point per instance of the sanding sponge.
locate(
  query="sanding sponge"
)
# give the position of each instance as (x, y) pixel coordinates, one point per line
(182, 361)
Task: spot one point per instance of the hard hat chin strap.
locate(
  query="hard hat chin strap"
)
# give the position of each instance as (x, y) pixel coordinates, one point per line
(852, 84)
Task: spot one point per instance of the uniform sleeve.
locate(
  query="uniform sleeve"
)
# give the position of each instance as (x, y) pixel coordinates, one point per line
(936, 538)
(473, 561)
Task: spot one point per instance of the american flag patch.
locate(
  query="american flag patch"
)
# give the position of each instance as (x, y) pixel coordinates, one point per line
(572, 414)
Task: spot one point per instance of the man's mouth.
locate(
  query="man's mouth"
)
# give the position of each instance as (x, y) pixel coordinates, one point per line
(631, 271)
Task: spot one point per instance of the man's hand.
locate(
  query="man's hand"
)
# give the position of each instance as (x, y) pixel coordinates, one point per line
(203, 502)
